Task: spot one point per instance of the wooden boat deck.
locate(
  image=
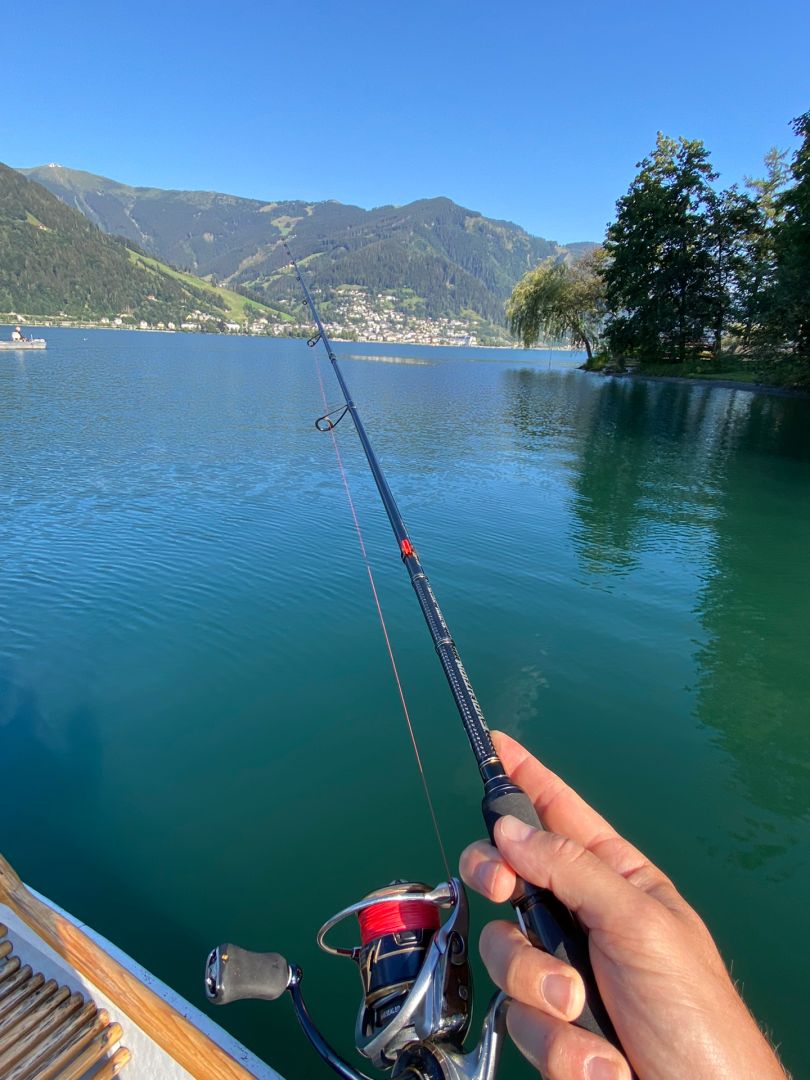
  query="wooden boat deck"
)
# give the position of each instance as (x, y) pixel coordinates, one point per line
(49, 1032)
(165, 1036)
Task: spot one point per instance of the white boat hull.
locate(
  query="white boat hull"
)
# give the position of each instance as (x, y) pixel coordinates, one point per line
(17, 346)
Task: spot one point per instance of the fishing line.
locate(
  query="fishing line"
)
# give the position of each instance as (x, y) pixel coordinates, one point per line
(378, 605)
(546, 921)
(414, 966)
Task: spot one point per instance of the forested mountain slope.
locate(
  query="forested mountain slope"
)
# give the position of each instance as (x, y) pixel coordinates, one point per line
(54, 262)
(433, 257)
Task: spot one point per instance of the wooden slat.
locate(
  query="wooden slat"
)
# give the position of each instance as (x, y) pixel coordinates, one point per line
(38, 1020)
(92, 1054)
(21, 1047)
(57, 1049)
(181, 1040)
(46, 1029)
(11, 967)
(5, 949)
(114, 1066)
(20, 992)
(31, 1004)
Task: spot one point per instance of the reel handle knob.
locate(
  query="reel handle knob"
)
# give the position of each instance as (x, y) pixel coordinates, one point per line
(232, 974)
(545, 920)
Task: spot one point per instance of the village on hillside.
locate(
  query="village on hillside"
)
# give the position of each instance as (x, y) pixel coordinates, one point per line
(354, 314)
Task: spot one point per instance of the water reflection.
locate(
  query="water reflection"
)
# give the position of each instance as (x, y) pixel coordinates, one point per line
(546, 405)
(612, 479)
(420, 361)
(643, 457)
(754, 682)
(673, 472)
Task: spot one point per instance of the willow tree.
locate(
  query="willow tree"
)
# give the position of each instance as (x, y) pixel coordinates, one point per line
(558, 302)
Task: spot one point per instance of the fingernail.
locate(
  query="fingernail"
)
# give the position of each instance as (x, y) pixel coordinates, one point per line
(513, 829)
(486, 875)
(558, 990)
(599, 1068)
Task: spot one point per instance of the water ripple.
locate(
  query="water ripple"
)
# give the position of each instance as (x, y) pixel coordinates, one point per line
(187, 641)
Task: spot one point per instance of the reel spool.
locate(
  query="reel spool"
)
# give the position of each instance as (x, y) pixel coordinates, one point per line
(414, 970)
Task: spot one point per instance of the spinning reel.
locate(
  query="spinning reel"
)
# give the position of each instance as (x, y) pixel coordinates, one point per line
(417, 986)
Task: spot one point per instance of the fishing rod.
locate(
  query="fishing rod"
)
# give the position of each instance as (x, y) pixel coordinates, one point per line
(406, 952)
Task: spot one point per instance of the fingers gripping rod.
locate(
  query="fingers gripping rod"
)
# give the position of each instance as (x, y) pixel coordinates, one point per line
(547, 923)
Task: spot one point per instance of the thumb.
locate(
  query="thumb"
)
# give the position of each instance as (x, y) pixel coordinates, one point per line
(596, 893)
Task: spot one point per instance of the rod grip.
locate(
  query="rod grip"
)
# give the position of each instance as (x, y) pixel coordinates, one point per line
(545, 920)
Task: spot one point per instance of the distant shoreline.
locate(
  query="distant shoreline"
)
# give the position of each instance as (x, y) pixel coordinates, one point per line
(46, 324)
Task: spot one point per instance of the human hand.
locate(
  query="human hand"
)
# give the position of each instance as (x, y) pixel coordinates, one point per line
(660, 975)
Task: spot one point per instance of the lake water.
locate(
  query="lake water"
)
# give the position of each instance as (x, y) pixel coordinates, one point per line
(200, 736)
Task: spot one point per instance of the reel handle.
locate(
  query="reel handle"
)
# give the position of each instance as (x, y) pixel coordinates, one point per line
(545, 920)
(232, 973)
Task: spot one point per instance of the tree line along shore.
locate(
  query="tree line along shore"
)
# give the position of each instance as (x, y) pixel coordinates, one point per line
(691, 280)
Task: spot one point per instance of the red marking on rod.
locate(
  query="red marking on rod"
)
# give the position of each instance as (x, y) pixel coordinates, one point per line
(406, 547)
(396, 916)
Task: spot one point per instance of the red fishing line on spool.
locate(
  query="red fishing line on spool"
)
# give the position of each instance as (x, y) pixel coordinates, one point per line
(395, 916)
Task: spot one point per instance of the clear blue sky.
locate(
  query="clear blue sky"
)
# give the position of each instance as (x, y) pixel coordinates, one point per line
(532, 111)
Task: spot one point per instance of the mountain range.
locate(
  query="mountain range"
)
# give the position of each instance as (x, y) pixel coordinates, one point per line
(55, 263)
(431, 258)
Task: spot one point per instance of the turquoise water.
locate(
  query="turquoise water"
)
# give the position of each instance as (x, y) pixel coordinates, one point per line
(201, 739)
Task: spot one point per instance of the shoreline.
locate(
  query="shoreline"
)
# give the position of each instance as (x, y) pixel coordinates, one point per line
(66, 325)
(724, 384)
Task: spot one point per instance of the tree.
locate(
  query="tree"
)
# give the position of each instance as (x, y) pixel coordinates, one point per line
(792, 246)
(758, 276)
(732, 230)
(559, 302)
(658, 275)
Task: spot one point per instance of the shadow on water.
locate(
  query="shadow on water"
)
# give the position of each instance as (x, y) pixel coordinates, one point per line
(53, 835)
(48, 764)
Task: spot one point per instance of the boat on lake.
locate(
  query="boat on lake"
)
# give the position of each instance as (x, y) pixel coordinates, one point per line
(19, 341)
(26, 343)
(73, 1005)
